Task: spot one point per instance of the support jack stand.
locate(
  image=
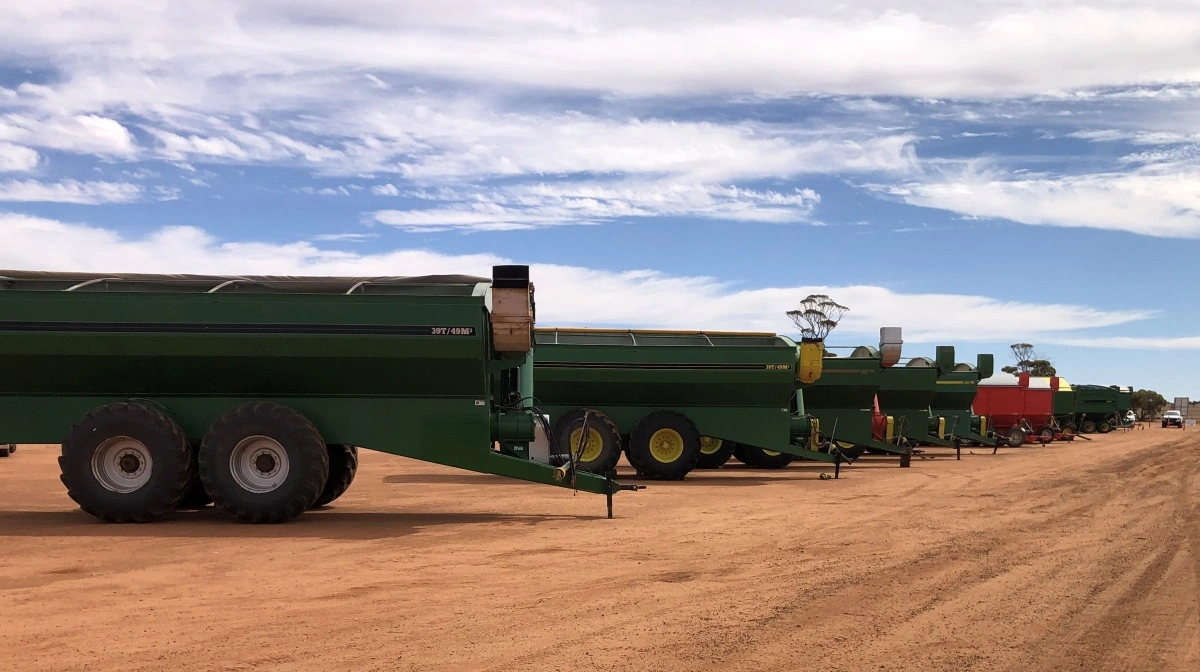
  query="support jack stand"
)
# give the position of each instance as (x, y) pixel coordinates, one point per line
(611, 486)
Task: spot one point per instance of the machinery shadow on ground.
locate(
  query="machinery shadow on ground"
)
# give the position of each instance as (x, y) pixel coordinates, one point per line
(451, 479)
(328, 523)
(736, 475)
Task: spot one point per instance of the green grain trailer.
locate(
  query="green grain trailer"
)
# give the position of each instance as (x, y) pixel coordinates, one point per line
(676, 400)
(957, 383)
(255, 391)
(1101, 408)
(1124, 405)
(1065, 408)
(843, 399)
(905, 393)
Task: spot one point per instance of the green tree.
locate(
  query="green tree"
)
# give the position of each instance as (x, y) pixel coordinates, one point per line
(817, 316)
(1147, 403)
(1028, 361)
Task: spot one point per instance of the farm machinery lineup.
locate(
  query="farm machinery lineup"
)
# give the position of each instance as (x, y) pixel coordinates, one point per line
(954, 421)
(845, 400)
(673, 401)
(255, 393)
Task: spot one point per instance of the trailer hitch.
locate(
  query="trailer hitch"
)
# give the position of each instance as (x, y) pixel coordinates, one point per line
(611, 486)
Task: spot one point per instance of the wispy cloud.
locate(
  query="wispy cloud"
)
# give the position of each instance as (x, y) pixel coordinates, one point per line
(1158, 199)
(77, 134)
(1131, 342)
(17, 159)
(643, 298)
(915, 48)
(69, 191)
(552, 204)
(619, 96)
(344, 237)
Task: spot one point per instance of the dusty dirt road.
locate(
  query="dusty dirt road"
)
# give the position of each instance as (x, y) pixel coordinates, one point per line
(1070, 557)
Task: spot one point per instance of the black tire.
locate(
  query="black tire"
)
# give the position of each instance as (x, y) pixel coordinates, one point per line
(1104, 427)
(739, 454)
(196, 496)
(719, 452)
(603, 445)
(668, 456)
(263, 463)
(126, 463)
(1015, 437)
(343, 465)
(1046, 434)
(1087, 427)
(767, 459)
(5, 450)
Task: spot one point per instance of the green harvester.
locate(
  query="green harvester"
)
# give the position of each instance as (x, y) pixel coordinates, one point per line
(673, 401)
(255, 392)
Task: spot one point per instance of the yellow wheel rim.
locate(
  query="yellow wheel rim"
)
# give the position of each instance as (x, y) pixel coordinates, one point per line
(771, 453)
(666, 445)
(591, 448)
(709, 445)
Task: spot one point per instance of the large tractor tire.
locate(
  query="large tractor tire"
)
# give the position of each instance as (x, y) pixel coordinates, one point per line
(126, 463)
(739, 453)
(767, 459)
(664, 446)
(343, 465)
(1015, 437)
(714, 453)
(196, 496)
(263, 463)
(1046, 435)
(1104, 426)
(601, 449)
(6, 449)
(1088, 427)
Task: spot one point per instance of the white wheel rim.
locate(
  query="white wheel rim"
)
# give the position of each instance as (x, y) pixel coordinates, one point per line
(259, 464)
(122, 464)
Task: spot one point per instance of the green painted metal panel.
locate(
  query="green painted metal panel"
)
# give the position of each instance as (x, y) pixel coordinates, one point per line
(736, 387)
(405, 368)
(843, 399)
(1102, 402)
(905, 393)
(954, 395)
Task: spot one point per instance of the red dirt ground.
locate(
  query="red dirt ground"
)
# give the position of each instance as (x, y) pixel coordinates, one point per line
(1082, 556)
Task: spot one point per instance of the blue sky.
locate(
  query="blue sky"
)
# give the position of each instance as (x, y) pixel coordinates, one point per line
(978, 174)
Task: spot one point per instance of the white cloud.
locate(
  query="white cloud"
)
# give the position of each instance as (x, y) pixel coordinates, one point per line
(1131, 342)
(460, 144)
(168, 53)
(1154, 200)
(385, 190)
(437, 140)
(568, 91)
(17, 159)
(643, 298)
(340, 190)
(536, 205)
(78, 134)
(69, 191)
(344, 237)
